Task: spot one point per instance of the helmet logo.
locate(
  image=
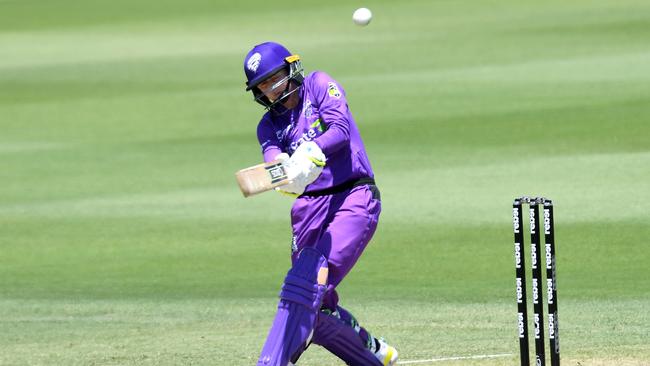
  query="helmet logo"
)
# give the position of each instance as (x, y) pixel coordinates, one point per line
(254, 62)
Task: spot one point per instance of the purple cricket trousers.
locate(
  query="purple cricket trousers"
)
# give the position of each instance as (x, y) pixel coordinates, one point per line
(339, 226)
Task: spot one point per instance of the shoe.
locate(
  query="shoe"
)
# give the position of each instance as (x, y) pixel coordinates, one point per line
(386, 354)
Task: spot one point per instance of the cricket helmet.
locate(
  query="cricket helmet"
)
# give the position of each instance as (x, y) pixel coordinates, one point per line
(266, 59)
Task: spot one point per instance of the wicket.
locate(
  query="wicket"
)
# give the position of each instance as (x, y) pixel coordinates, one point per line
(520, 272)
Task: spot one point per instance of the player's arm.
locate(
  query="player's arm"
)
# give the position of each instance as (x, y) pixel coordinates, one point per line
(333, 109)
(301, 169)
(290, 174)
(269, 142)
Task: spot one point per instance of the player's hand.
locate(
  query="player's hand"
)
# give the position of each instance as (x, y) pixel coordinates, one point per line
(290, 189)
(303, 167)
(307, 162)
(293, 188)
(283, 157)
(311, 151)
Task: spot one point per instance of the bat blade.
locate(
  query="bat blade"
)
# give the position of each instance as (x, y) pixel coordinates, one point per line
(262, 177)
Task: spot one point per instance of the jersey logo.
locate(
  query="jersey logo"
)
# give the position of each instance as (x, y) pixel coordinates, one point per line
(333, 90)
(294, 244)
(306, 109)
(254, 62)
(281, 134)
(265, 144)
(315, 129)
(318, 124)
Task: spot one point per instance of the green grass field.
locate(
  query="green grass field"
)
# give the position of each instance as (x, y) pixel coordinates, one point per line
(124, 239)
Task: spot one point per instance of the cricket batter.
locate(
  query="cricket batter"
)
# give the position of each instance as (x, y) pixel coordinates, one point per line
(309, 126)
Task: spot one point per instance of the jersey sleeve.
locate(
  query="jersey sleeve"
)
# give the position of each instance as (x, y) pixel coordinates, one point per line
(268, 140)
(333, 108)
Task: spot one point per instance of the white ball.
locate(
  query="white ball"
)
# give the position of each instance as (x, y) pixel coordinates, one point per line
(362, 16)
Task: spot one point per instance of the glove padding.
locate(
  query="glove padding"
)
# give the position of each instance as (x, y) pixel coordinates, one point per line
(303, 167)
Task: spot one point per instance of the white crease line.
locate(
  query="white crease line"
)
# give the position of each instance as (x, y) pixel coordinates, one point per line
(477, 357)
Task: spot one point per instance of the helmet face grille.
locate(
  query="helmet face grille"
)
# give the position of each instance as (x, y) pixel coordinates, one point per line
(296, 72)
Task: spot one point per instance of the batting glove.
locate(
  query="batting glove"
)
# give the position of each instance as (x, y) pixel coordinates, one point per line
(303, 167)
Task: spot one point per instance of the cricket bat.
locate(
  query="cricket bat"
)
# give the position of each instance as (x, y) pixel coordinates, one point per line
(262, 177)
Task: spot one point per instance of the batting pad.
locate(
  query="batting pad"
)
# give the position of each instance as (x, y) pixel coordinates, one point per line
(300, 301)
(343, 341)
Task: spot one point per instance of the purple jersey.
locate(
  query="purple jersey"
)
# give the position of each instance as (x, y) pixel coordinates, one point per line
(321, 116)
